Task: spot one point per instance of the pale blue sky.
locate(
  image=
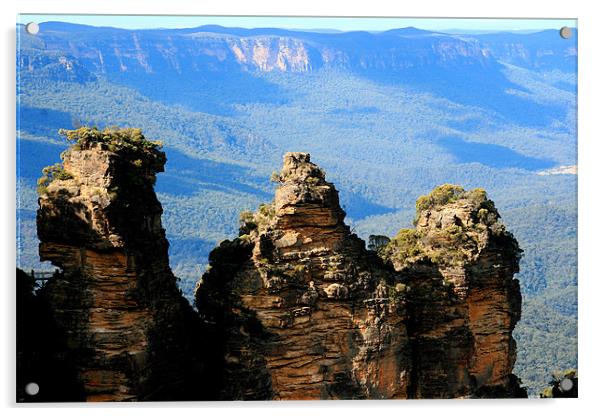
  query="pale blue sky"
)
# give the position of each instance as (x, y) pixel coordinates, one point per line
(338, 23)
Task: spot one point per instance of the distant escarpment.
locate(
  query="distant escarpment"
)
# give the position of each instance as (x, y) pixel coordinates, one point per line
(306, 312)
(215, 49)
(295, 307)
(130, 333)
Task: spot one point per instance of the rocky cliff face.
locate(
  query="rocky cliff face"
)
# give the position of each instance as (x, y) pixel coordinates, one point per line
(294, 308)
(130, 333)
(306, 311)
(464, 304)
(218, 49)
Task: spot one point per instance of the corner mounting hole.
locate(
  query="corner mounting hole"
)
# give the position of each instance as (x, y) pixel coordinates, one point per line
(32, 28)
(566, 32)
(32, 389)
(566, 385)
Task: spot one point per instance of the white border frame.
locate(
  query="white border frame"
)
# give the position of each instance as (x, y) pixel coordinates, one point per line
(590, 232)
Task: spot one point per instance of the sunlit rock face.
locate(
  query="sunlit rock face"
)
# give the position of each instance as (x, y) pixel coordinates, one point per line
(307, 311)
(130, 333)
(464, 303)
(294, 308)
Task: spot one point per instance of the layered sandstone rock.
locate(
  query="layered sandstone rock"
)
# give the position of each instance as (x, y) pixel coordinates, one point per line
(130, 333)
(464, 302)
(294, 308)
(306, 311)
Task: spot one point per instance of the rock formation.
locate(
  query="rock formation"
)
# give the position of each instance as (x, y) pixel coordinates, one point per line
(306, 311)
(295, 307)
(130, 333)
(459, 262)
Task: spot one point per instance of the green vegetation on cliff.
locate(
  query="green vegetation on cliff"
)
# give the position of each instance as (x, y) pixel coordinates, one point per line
(449, 242)
(441, 195)
(51, 173)
(128, 140)
(404, 246)
(447, 194)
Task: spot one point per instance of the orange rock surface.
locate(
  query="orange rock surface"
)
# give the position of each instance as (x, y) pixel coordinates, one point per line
(116, 298)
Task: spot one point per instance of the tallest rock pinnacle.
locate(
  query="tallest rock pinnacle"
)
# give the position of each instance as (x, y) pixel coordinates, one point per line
(306, 311)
